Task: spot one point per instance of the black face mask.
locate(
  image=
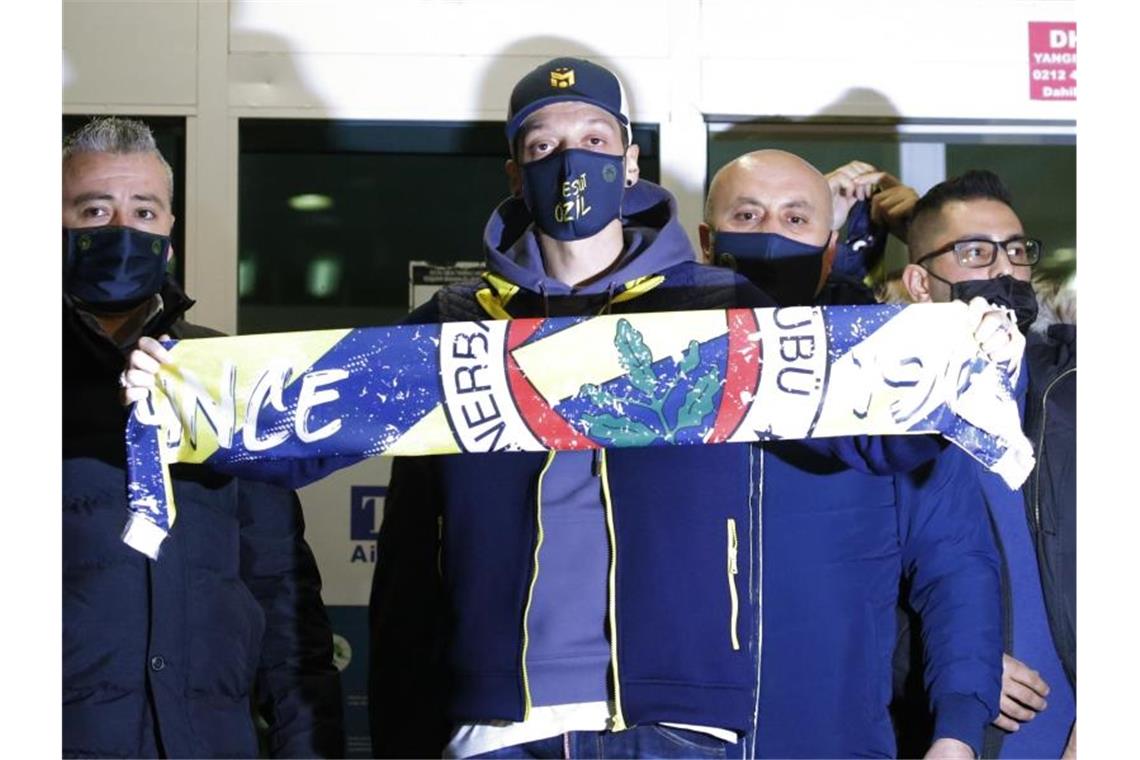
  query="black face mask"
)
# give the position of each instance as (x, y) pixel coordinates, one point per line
(1005, 290)
(112, 269)
(785, 269)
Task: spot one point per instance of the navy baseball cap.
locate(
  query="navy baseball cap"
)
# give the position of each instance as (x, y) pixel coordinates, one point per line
(563, 79)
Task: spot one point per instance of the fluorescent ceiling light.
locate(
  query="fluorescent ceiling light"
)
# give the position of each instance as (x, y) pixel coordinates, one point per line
(310, 202)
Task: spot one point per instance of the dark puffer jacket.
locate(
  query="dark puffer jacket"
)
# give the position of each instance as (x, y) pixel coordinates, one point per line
(171, 657)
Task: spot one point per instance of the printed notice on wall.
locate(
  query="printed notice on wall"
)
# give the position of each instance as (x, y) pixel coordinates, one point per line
(425, 278)
(1052, 60)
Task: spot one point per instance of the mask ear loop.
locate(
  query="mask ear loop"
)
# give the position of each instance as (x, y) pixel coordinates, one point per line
(940, 279)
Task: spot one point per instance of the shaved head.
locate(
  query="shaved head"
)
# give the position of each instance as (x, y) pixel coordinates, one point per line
(779, 194)
(768, 172)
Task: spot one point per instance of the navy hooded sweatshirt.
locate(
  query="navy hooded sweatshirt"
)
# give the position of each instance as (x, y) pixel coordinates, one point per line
(567, 652)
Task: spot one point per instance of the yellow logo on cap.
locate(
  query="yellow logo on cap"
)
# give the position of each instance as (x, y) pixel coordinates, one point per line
(562, 78)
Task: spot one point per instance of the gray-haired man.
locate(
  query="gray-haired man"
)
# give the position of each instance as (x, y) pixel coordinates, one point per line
(163, 658)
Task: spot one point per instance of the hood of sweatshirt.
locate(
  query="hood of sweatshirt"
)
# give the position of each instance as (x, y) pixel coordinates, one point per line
(654, 241)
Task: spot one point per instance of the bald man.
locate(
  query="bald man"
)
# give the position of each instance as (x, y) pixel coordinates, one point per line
(770, 213)
(837, 537)
(776, 219)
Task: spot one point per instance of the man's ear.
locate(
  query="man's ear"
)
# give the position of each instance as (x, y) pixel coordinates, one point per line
(169, 252)
(704, 232)
(632, 171)
(828, 259)
(514, 178)
(916, 280)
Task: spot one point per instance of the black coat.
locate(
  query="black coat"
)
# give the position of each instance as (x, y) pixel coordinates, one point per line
(1051, 491)
(171, 657)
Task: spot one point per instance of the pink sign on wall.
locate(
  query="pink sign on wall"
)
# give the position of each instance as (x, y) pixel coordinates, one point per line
(1052, 60)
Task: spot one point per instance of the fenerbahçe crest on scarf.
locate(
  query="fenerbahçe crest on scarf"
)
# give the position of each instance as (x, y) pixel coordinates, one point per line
(683, 378)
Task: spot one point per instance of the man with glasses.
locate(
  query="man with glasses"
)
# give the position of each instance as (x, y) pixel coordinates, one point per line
(965, 240)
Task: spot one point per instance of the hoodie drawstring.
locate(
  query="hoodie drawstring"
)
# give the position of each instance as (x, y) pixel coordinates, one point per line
(609, 298)
(545, 300)
(611, 288)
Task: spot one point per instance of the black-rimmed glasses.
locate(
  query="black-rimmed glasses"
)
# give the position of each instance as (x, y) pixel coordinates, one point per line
(980, 252)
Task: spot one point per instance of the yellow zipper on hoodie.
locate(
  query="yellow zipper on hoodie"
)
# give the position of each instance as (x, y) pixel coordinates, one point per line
(619, 723)
(493, 300)
(527, 703)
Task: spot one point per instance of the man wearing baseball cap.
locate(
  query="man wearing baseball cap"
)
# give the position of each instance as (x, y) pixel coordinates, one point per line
(595, 602)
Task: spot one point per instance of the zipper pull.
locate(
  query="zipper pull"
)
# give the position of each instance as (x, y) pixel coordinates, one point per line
(597, 463)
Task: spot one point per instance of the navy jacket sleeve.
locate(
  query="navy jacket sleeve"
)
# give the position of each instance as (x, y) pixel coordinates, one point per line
(286, 473)
(298, 689)
(880, 454)
(953, 566)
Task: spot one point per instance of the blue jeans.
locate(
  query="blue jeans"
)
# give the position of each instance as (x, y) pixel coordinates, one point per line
(636, 742)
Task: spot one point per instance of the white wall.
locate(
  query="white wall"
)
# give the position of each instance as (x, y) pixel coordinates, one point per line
(682, 60)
